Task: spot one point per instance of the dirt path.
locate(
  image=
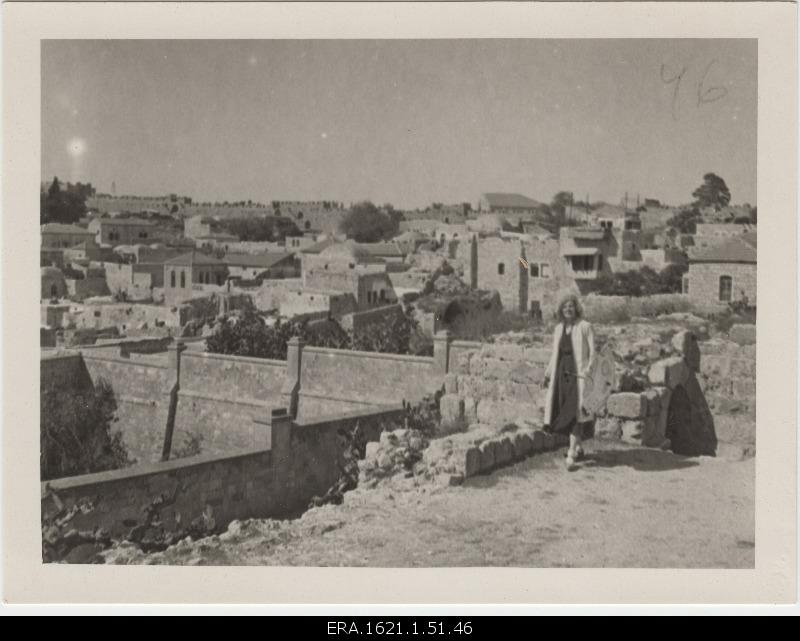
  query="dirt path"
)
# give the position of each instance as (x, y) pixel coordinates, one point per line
(626, 507)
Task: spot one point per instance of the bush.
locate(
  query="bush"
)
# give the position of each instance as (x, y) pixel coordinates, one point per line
(620, 309)
(250, 336)
(75, 432)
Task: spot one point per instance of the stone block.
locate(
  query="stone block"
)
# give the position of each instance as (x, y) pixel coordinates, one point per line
(504, 452)
(743, 334)
(539, 355)
(627, 405)
(669, 372)
(372, 449)
(653, 434)
(652, 401)
(608, 427)
(451, 408)
(744, 388)
(472, 462)
(470, 409)
(632, 431)
(743, 367)
(508, 352)
(685, 343)
(548, 441)
(487, 450)
(523, 445)
(537, 438)
(451, 384)
(463, 362)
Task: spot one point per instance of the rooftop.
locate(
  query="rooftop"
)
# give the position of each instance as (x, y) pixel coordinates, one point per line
(739, 249)
(59, 228)
(256, 260)
(511, 201)
(194, 258)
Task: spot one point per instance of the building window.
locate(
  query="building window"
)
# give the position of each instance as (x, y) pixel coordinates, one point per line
(725, 289)
(183, 280)
(685, 284)
(383, 294)
(600, 261)
(172, 279)
(219, 279)
(501, 269)
(534, 270)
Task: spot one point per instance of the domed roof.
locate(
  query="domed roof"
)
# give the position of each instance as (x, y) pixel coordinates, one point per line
(52, 272)
(347, 251)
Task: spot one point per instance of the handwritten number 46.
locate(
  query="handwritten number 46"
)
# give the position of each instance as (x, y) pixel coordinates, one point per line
(704, 94)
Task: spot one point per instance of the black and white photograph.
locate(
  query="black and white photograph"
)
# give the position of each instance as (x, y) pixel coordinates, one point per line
(477, 302)
(399, 303)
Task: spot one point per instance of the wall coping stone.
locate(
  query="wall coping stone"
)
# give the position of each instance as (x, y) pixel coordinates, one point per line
(428, 360)
(146, 469)
(230, 357)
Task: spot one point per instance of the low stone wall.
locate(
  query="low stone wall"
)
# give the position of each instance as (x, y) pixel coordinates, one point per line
(335, 380)
(495, 382)
(221, 395)
(728, 376)
(502, 382)
(294, 462)
(215, 489)
(142, 391)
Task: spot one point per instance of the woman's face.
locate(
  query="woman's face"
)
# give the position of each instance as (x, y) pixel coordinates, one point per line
(568, 310)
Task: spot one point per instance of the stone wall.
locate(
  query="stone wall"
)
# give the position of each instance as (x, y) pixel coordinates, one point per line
(220, 396)
(142, 390)
(292, 463)
(335, 380)
(501, 382)
(703, 281)
(728, 376)
(495, 382)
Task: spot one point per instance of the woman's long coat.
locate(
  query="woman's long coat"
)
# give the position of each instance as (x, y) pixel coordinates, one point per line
(583, 349)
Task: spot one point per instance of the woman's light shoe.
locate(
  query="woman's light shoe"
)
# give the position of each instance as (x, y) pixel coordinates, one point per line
(570, 463)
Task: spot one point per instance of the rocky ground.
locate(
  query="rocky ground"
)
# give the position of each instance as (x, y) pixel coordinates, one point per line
(625, 507)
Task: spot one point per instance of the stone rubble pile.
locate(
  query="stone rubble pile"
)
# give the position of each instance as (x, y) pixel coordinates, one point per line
(395, 453)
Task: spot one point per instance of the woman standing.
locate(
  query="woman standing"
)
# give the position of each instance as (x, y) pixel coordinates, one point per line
(573, 352)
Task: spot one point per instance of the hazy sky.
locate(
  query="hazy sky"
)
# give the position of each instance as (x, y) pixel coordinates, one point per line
(403, 121)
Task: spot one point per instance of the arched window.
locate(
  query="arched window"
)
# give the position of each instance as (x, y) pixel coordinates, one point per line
(308, 224)
(501, 268)
(172, 279)
(183, 280)
(725, 289)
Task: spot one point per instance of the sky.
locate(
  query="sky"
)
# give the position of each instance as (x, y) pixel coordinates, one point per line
(407, 122)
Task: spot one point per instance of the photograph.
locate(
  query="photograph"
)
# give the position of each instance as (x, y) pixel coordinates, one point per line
(399, 303)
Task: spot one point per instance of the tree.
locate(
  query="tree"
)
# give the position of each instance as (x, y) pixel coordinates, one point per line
(63, 205)
(712, 193)
(75, 432)
(560, 202)
(685, 221)
(365, 223)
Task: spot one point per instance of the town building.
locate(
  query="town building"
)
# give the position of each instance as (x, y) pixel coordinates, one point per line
(262, 266)
(122, 231)
(191, 274)
(725, 273)
(60, 236)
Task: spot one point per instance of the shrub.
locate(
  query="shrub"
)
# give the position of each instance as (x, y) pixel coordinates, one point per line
(75, 432)
(249, 335)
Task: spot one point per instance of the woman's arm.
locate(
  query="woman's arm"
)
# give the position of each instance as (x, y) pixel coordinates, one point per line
(588, 336)
(551, 365)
